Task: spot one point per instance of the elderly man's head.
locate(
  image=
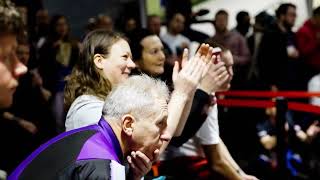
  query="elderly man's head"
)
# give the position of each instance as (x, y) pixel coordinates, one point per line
(139, 107)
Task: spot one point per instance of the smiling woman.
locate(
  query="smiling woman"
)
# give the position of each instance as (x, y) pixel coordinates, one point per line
(105, 60)
(102, 57)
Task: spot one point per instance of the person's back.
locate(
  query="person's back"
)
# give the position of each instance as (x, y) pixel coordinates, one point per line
(74, 154)
(85, 110)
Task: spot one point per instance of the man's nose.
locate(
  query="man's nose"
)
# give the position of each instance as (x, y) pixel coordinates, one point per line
(165, 136)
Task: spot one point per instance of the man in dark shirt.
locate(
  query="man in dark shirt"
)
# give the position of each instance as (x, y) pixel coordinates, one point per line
(134, 119)
(277, 52)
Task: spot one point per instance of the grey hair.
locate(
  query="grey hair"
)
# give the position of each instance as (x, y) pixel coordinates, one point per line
(139, 95)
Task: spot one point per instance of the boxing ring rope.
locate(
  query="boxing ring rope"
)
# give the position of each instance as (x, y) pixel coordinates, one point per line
(250, 103)
(262, 99)
(248, 99)
(270, 94)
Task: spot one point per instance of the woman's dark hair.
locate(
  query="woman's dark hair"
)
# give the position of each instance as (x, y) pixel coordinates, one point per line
(86, 78)
(135, 39)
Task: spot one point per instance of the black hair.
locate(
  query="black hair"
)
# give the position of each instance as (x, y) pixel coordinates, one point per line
(135, 39)
(241, 15)
(283, 8)
(316, 12)
(222, 12)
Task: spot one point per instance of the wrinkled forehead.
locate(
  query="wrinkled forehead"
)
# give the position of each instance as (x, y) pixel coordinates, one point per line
(162, 104)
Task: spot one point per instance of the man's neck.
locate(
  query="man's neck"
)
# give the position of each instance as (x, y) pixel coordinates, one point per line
(282, 27)
(222, 33)
(172, 32)
(117, 131)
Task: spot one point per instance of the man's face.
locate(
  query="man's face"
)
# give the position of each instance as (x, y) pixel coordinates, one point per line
(10, 69)
(105, 22)
(290, 17)
(153, 58)
(227, 58)
(150, 133)
(42, 17)
(131, 25)
(154, 25)
(221, 23)
(177, 23)
(23, 53)
(62, 27)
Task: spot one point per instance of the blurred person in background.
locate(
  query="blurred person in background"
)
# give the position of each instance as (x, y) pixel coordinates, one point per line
(173, 37)
(154, 24)
(104, 22)
(56, 60)
(243, 23)
(278, 53)
(174, 6)
(262, 22)
(308, 41)
(236, 43)
(41, 28)
(154, 27)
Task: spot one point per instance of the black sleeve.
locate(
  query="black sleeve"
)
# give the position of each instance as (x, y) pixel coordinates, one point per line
(195, 120)
(88, 169)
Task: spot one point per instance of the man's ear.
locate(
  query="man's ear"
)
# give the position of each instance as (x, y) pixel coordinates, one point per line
(128, 124)
(97, 59)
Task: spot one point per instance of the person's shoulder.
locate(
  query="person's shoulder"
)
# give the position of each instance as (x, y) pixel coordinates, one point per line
(85, 110)
(306, 27)
(165, 36)
(84, 100)
(315, 80)
(182, 37)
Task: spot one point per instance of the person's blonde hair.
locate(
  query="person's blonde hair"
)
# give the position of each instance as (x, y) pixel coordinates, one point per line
(85, 77)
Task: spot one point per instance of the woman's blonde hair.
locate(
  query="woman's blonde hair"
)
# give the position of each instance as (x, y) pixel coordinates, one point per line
(85, 77)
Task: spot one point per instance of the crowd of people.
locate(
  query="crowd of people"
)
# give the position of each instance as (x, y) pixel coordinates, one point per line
(130, 103)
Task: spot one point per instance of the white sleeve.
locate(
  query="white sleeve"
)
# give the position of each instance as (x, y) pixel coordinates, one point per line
(314, 86)
(84, 112)
(208, 134)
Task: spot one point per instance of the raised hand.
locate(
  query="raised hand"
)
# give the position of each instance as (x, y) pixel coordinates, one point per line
(140, 164)
(313, 130)
(216, 78)
(186, 80)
